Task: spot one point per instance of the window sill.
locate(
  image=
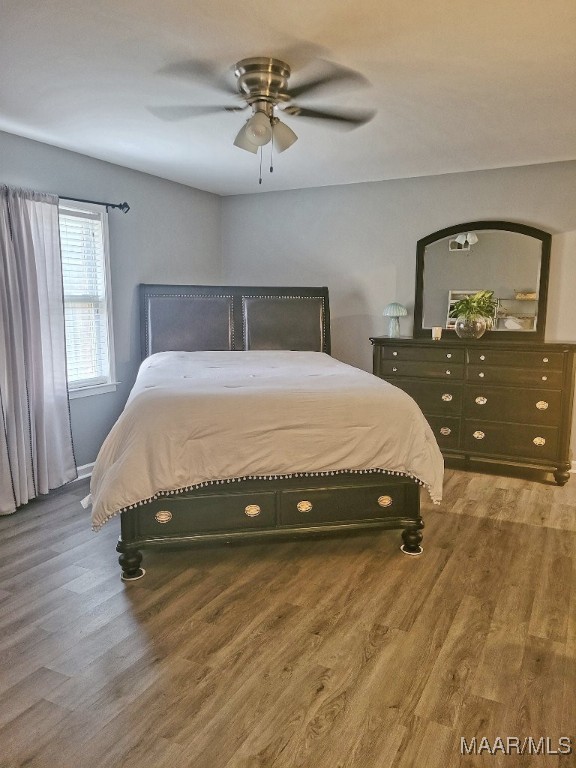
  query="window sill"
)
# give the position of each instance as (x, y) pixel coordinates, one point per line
(97, 389)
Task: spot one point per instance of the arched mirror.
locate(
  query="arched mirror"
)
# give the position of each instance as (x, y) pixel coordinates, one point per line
(512, 260)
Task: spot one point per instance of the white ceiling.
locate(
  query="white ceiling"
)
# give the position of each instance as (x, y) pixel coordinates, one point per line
(458, 84)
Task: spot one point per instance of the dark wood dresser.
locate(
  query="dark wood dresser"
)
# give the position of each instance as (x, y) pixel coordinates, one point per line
(508, 402)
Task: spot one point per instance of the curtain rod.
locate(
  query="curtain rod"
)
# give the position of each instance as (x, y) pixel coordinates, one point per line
(124, 207)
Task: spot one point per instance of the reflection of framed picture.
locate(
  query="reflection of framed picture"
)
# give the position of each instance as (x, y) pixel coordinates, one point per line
(453, 297)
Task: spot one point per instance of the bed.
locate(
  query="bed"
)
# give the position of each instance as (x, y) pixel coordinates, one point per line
(242, 426)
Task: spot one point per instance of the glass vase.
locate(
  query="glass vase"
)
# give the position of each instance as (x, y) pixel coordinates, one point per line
(471, 327)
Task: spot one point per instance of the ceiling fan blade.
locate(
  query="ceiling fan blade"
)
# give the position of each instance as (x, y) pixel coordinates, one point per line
(175, 113)
(350, 119)
(336, 75)
(201, 70)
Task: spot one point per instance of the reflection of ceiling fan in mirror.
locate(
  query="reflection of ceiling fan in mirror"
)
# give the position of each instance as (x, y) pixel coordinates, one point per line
(262, 85)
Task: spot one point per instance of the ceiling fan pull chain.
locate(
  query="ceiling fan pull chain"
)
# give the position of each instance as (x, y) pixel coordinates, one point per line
(272, 152)
(260, 179)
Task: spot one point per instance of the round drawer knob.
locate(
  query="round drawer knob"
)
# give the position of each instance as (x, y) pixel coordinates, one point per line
(448, 373)
(304, 506)
(448, 355)
(544, 359)
(539, 441)
(481, 400)
(394, 354)
(384, 501)
(394, 369)
(544, 378)
(481, 375)
(447, 397)
(541, 405)
(445, 430)
(252, 510)
(164, 516)
(482, 357)
(478, 435)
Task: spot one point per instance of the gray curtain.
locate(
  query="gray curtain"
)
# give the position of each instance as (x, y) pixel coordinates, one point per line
(36, 452)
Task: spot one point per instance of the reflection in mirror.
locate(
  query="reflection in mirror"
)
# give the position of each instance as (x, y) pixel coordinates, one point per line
(509, 259)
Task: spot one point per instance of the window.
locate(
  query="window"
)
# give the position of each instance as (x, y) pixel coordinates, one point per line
(87, 307)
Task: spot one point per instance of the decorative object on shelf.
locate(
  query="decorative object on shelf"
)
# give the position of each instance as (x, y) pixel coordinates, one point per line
(394, 311)
(474, 314)
(526, 296)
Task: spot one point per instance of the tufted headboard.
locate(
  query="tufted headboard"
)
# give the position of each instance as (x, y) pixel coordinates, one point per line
(230, 317)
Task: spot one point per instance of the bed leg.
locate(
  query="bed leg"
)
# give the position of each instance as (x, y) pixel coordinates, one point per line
(130, 559)
(412, 536)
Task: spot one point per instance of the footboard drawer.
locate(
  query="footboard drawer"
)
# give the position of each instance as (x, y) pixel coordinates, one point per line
(185, 515)
(312, 507)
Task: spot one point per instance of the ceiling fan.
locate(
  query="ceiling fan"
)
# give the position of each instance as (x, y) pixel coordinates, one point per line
(262, 85)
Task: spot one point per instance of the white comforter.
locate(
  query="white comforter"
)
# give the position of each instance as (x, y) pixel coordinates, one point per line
(198, 417)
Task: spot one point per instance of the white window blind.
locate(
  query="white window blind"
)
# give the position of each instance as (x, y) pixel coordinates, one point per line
(85, 274)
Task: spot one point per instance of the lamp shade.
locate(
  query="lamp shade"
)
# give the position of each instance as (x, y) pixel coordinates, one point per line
(394, 311)
(244, 142)
(258, 129)
(284, 136)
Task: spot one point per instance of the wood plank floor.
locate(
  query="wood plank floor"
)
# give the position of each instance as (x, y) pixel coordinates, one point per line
(320, 653)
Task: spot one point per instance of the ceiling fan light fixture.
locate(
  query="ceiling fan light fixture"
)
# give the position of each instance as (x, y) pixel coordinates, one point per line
(259, 129)
(243, 142)
(284, 136)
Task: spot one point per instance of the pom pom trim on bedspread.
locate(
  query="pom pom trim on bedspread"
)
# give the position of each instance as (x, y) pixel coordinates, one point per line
(207, 483)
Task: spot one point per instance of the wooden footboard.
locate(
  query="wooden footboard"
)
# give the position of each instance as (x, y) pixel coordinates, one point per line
(260, 509)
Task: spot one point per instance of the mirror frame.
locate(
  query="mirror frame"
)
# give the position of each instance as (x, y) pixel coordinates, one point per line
(509, 226)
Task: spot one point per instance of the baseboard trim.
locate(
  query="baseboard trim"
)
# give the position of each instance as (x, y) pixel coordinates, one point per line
(86, 471)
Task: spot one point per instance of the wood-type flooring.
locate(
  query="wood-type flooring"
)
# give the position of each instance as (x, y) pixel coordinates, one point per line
(318, 653)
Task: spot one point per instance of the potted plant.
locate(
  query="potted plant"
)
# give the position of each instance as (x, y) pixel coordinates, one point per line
(474, 314)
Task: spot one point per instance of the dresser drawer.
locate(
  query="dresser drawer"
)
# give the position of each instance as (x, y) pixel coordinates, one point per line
(314, 507)
(392, 368)
(517, 358)
(208, 513)
(425, 354)
(446, 431)
(528, 406)
(517, 441)
(525, 377)
(434, 396)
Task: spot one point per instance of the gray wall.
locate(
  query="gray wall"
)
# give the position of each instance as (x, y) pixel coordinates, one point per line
(360, 240)
(171, 234)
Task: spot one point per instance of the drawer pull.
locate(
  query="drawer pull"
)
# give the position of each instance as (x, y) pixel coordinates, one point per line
(541, 405)
(448, 355)
(481, 400)
(482, 357)
(304, 506)
(544, 378)
(394, 354)
(164, 516)
(539, 441)
(394, 369)
(544, 359)
(447, 397)
(384, 501)
(445, 430)
(481, 375)
(252, 510)
(479, 435)
(448, 373)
